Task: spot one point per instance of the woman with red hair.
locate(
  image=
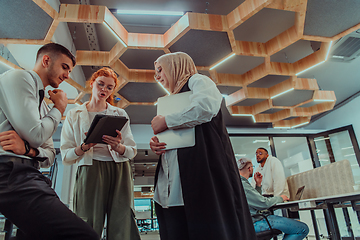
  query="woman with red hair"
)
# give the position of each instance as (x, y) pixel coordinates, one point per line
(104, 184)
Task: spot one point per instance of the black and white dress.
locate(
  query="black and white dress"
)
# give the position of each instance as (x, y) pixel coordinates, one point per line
(204, 178)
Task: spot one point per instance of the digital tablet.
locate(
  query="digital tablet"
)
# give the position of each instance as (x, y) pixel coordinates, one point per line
(104, 125)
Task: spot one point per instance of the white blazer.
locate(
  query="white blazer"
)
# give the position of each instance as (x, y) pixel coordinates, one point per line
(77, 122)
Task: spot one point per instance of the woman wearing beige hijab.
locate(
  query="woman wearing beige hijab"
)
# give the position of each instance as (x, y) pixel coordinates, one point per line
(198, 193)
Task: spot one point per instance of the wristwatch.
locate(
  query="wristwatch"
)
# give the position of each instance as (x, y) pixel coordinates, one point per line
(27, 147)
(81, 147)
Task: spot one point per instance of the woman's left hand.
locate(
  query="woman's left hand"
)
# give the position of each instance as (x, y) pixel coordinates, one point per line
(115, 142)
(158, 124)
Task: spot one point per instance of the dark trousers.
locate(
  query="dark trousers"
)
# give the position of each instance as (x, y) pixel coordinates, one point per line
(172, 223)
(29, 202)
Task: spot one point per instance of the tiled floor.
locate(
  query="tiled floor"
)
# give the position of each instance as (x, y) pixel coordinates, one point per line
(155, 236)
(150, 236)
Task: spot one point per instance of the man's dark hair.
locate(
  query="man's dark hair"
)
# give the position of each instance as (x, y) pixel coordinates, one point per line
(55, 50)
(264, 149)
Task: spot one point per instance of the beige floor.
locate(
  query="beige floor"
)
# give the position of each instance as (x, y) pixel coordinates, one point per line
(150, 236)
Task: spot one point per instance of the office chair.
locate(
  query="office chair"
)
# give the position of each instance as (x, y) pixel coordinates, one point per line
(8, 228)
(267, 234)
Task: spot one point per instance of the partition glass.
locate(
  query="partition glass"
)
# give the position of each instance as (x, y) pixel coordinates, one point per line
(294, 154)
(300, 153)
(321, 150)
(343, 149)
(336, 147)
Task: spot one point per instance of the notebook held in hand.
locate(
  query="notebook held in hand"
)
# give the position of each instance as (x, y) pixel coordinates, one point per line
(104, 125)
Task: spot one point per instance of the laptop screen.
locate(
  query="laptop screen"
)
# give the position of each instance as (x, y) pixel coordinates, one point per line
(299, 193)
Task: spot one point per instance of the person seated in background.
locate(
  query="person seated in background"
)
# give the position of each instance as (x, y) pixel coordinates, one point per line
(274, 181)
(293, 229)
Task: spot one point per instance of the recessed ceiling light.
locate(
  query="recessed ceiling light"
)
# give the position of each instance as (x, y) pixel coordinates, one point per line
(304, 123)
(114, 33)
(326, 57)
(328, 51)
(217, 64)
(324, 100)
(282, 93)
(260, 140)
(168, 93)
(244, 115)
(282, 127)
(146, 12)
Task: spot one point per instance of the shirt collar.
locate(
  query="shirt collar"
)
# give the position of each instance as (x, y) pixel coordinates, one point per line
(243, 178)
(83, 107)
(38, 79)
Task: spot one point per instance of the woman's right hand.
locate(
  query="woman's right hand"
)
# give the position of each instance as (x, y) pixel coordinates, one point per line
(90, 145)
(156, 146)
(80, 150)
(158, 124)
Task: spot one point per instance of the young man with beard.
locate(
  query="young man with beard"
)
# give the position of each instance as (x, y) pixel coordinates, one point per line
(26, 127)
(274, 181)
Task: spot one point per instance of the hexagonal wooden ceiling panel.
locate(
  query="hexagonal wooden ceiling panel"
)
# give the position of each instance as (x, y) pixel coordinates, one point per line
(197, 43)
(262, 45)
(142, 92)
(25, 15)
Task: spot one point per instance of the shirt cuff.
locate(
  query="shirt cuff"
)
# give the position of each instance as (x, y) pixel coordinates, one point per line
(55, 114)
(171, 123)
(129, 152)
(42, 153)
(71, 156)
(280, 199)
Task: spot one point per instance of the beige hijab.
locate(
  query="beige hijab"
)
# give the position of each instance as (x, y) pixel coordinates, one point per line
(178, 68)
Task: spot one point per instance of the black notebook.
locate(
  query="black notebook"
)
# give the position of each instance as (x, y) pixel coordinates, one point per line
(104, 125)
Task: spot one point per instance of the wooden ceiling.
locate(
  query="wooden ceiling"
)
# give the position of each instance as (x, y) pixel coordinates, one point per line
(263, 104)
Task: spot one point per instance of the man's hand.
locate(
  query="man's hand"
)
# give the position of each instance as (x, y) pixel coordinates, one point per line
(158, 124)
(285, 198)
(59, 99)
(11, 141)
(258, 179)
(156, 146)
